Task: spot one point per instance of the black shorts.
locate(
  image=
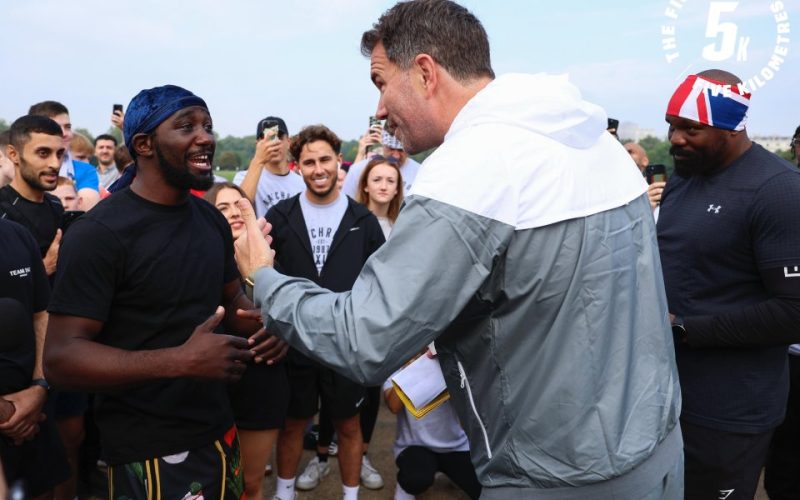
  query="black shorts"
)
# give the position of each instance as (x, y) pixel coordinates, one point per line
(40, 462)
(722, 464)
(310, 382)
(261, 398)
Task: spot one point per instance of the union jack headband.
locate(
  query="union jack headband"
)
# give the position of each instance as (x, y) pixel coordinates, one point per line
(714, 103)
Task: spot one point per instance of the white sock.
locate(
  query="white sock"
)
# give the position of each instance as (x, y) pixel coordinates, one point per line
(350, 492)
(401, 494)
(285, 489)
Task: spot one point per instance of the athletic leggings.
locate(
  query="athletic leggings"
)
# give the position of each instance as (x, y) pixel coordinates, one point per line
(417, 466)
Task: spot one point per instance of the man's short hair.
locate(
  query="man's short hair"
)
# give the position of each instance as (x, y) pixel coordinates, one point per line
(66, 181)
(5, 140)
(444, 30)
(81, 144)
(314, 133)
(24, 126)
(48, 109)
(105, 137)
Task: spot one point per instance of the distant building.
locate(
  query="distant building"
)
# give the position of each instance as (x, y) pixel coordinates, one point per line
(773, 143)
(629, 131)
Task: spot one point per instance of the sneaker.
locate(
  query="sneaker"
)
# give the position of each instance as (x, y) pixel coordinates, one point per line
(333, 449)
(310, 477)
(370, 477)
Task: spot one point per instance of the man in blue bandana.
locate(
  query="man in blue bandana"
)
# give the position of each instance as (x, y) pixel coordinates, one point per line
(134, 315)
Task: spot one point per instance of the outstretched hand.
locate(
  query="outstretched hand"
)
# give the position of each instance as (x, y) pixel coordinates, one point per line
(213, 355)
(251, 249)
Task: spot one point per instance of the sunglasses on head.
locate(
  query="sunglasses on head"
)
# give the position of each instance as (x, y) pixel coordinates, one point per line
(388, 159)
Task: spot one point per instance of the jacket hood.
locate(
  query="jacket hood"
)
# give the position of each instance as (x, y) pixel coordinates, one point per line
(552, 107)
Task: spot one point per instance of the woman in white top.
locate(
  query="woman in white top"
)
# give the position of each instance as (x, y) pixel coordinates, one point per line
(380, 188)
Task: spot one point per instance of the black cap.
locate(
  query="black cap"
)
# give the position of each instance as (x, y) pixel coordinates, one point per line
(271, 121)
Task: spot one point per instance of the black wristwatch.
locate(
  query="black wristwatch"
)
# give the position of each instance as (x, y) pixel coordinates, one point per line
(679, 331)
(41, 383)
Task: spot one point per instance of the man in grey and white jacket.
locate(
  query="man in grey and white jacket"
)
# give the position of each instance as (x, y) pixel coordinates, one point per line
(533, 266)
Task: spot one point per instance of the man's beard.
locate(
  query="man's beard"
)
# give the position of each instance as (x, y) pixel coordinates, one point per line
(694, 164)
(31, 178)
(181, 178)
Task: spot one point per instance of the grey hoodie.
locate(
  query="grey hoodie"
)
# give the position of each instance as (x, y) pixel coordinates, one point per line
(527, 251)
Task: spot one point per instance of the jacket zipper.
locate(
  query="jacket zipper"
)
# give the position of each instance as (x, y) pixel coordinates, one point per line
(465, 385)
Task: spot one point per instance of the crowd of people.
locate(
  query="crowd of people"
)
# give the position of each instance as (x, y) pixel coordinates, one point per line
(603, 331)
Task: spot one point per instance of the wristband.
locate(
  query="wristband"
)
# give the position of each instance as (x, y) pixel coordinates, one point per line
(41, 383)
(679, 331)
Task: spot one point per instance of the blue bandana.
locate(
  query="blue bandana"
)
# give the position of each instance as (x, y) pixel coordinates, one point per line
(150, 107)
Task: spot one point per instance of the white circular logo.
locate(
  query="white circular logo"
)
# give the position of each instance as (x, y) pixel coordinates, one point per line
(751, 37)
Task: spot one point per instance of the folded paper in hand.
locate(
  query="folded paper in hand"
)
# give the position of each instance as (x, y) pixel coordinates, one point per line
(420, 386)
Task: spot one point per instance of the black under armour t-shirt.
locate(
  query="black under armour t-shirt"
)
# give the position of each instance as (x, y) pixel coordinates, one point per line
(24, 290)
(150, 273)
(717, 234)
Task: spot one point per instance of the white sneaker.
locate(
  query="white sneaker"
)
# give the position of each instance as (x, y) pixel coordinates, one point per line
(310, 477)
(370, 477)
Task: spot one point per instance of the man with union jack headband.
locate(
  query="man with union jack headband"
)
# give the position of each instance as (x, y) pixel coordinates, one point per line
(729, 239)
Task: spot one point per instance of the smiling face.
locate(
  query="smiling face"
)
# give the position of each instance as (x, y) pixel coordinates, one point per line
(402, 102)
(39, 161)
(319, 167)
(184, 145)
(381, 184)
(104, 151)
(226, 203)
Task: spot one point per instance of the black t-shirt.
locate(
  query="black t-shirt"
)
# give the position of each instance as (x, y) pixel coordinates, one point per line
(717, 235)
(41, 219)
(24, 290)
(150, 273)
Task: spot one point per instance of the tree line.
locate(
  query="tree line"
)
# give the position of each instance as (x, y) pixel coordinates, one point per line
(235, 153)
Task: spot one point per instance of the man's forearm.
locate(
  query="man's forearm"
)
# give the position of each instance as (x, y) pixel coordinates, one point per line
(773, 322)
(84, 364)
(250, 181)
(40, 332)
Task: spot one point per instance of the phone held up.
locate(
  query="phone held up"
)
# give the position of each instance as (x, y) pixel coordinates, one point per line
(656, 173)
(376, 125)
(266, 126)
(116, 109)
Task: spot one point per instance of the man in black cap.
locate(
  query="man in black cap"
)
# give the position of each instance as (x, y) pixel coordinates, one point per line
(135, 314)
(268, 180)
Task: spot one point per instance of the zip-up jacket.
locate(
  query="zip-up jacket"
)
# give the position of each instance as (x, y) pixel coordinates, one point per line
(527, 251)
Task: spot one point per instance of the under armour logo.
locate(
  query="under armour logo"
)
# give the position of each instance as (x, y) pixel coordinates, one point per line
(723, 494)
(715, 209)
(790, 274)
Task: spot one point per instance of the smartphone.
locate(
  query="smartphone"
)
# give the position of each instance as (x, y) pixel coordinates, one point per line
(115, 108)
(374, 124)
(265, 126)
(656, 173)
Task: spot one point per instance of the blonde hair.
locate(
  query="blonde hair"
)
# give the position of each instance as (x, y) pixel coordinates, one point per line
(81, 145)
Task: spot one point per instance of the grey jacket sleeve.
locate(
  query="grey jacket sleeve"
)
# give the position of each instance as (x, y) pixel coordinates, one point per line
(436, 259)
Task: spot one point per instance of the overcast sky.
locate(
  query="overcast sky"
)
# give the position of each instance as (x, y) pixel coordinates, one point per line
(301, 60)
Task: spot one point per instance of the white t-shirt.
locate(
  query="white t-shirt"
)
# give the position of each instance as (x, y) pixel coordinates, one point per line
(272, 188)
(408, 171)
(322, 221)
(438, 431)
(386, 226)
